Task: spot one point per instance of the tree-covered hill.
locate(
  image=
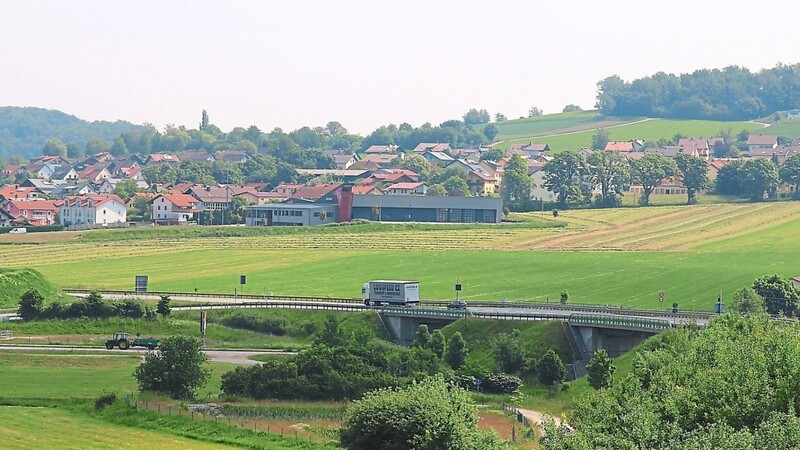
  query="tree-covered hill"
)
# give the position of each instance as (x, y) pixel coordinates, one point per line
(24, 131)
(732, 93)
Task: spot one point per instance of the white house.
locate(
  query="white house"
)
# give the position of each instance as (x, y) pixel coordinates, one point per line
(793, 114)
(101, 210)
(173, 208)
(407, 189)
(757, 142)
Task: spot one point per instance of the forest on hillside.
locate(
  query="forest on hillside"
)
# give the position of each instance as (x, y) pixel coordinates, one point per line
(24, 131)
(732, 93)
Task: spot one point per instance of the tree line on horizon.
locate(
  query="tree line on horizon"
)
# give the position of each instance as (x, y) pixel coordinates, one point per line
(731, 93)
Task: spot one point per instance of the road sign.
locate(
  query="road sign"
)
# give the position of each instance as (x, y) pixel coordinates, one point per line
(661, 296)
(141, 284)
(242, 279)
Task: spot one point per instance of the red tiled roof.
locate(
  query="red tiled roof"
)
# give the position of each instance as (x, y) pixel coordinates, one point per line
(13, 191)
(619, 146)
(405, 185)
(164, 158)
(762, 139)
(314, 192)
(79, 200)
(179, 200)
(35, 205)
(364, 189)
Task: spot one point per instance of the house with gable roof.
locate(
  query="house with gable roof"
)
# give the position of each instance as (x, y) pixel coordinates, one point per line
(377, 149)
(634, 145)
(103, 210)
(37, 212)
(756, 142)
(161, 158)
(174, 208)
(407, 189)
(432, 147)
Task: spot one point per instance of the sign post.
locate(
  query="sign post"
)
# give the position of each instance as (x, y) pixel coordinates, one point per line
(661, 297)
(141, 284)
(242, 282)
(203, 320)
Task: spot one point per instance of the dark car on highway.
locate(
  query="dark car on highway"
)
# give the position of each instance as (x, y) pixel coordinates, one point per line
(457, 304)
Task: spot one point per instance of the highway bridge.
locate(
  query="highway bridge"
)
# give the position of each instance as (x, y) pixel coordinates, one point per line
(588, 327)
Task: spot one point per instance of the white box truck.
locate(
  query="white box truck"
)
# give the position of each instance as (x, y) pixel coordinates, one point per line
(390, 293)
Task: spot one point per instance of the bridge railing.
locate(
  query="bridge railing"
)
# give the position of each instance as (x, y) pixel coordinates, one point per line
(610, 321)
(582, 307)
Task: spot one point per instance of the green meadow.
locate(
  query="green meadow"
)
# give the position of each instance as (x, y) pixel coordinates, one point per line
(652, 129)
(622, 256)
(551, 123)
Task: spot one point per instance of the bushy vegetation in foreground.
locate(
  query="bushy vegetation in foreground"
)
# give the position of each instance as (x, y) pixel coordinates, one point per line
(428, 415)
(734, 385)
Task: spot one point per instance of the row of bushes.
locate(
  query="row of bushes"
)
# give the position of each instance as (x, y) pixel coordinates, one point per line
(266, 325)
(332, 373)
(32, 307)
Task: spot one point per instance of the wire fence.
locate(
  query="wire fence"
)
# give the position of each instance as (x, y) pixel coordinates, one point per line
(215, 414)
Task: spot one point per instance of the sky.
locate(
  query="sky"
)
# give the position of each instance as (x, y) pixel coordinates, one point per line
(364, 64)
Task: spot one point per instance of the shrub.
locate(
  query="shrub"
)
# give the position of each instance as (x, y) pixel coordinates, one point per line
(105, 399)
(501, 383)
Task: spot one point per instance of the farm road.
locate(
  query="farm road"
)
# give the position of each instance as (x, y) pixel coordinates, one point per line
(240, 357)
(536, 418)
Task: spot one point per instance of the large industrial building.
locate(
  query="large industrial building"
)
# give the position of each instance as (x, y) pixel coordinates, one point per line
(344, 206)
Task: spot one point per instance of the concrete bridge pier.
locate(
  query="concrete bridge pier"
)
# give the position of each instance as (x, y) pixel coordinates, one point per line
(615, 341)
(403, 330)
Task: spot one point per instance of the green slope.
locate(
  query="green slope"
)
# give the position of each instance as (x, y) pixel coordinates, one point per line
(14, 283)
(652, 129)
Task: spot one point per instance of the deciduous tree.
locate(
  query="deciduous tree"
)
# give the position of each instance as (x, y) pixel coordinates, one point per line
(517, 183)
(780, 296)
(176, 369)
(428, 415)
(31, 305)
(611, 172)
(759, 178)
(550, 369)
(563, 176)
(456, 350)
(693, 173)
(790, 174)
(54, 147)
(600, 369)
(649, 171)
(490, 131)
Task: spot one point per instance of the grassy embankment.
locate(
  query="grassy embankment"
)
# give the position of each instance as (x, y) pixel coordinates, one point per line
(619, 256)
(15, 282)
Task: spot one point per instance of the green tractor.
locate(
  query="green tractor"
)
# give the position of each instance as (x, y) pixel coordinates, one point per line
(124, 342)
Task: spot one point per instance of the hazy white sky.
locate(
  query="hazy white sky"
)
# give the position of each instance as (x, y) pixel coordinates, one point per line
(363, 63)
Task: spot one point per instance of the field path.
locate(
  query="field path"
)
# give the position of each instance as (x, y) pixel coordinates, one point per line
(536, 418)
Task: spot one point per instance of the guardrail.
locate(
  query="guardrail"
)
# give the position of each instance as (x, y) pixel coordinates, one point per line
(425, 312)
(271, 304)
(582, 307)
(619, 322)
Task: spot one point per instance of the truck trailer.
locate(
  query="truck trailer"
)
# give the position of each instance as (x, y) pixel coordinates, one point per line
(390, 293)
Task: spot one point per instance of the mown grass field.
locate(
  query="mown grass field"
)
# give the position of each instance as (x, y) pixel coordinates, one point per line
(784, 128)
(63, 375)
(653, 129)
(38, 428)
(551, 123)
(619, 256)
